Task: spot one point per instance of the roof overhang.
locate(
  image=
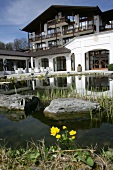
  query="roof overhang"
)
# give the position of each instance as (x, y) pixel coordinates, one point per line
(53, 10)
(107, 15)
(49, 52)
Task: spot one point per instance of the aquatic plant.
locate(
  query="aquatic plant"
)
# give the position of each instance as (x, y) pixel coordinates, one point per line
(66, 137)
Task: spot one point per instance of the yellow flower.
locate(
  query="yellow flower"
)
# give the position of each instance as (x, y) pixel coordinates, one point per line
(57, 130)
(58, 136)
(73, 137)
(64, 127)
(54, 131)
(72, 132)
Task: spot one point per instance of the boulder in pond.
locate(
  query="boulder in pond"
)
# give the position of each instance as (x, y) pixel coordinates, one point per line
(69, 108)
(19, 102)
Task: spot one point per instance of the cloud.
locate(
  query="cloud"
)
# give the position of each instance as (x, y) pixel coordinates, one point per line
(21, 12)
(18, 12)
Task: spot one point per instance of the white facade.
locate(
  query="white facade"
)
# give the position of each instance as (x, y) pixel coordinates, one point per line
(52, 62)
(80, 46)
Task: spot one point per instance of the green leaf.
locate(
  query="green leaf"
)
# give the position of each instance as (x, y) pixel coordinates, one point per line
(34, 155)
(90, 161)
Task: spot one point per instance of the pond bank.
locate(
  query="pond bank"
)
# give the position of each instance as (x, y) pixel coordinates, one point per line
(57, 73)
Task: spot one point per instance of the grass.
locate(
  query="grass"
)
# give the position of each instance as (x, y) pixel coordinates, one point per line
(38, 157)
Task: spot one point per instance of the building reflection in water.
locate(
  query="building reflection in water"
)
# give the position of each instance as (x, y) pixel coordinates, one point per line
(54, 82)
(95, 86)
(84, 85)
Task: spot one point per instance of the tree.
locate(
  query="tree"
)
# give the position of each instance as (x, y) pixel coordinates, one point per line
(16, 44)
(24, 43)
(9, 46)
(20, 44)
(2, 45)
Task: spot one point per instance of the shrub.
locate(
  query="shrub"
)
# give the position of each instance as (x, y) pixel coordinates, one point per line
(110, 67)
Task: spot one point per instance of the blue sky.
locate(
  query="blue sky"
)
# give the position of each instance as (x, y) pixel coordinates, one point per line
(16, 14)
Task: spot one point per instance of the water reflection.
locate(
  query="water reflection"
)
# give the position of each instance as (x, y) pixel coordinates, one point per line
(36, 126)
(18, 128)
(80, 123)
(97, 84)
(84, 85)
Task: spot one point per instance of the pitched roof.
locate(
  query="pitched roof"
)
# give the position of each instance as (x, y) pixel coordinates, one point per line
(107, 15)
(38, 53)
(14, 53)
(51, 51)
(53, 10)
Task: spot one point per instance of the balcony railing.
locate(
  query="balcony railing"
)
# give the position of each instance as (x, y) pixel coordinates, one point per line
(57, 21)
(56, 34)
(106, 27)
(49, 46)
(42, 37)
(74, 31)
(82, 29)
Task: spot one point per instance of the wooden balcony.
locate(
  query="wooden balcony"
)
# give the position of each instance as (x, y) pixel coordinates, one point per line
(43, 37)
(79, 30)
(57, 22)
(53, 35)
(49, 46)
(67, 32)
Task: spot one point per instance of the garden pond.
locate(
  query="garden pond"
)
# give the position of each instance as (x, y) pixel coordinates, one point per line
(17, 131)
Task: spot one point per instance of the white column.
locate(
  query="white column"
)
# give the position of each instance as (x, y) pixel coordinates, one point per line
(87, 61)
(111, 50)
(78, 60)
(45, 29)
(68, 63)
(51, 64)
(52, 82)
(77, 24)
(34, 46)
(27, 66)
(33, 34)
(33, 84)
(97, 22)
(80, 84)
(31, 62)
(5, 67)
(14, 66)
(36, 65)
(55, 64)
(69, 81)
(46, 44)
(83, 61)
